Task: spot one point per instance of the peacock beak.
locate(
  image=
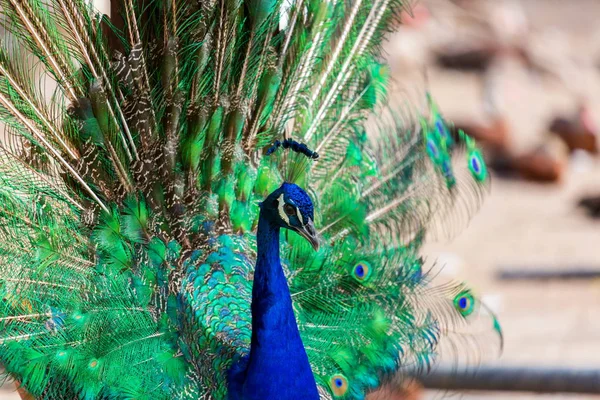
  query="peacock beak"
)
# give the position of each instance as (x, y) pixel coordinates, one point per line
(308, 232)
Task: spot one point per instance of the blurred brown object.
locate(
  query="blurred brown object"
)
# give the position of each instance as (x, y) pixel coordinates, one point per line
(493, 136)
(591, 204)
(544, 164)
(540, 165)
(577, 131)
(22, 392)
(485, 32)
(478, 57)
(494, 133)
(467, 57)
(410, 389)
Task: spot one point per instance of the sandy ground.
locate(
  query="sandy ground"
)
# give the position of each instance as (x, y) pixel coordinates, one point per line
(526, 225)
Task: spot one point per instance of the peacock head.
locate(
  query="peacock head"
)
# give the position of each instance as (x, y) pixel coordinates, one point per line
(290, 207)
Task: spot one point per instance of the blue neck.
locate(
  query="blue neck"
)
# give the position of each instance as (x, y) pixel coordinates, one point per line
(277, 367)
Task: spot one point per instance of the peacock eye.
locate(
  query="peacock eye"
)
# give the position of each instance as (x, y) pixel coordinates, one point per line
(362, 271)
(289, 209)
(464, 302)
(338, 384)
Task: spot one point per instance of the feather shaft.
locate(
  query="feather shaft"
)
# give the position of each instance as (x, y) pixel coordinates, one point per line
(305, 70)
(38, 282)
(20, 337)
(41, 177)
(333, 131)
(25, 316)
(135, 40)
(158, 334)
(36, 29)
(289, 34)
(366, 32)
(92, 59)
(336, 53)
(242, 77)
(220, 51)
(119, 169)
(30, 125)
(40, 114)
(380, 212)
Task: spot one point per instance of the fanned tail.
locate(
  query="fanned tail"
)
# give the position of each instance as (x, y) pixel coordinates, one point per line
(131, 172)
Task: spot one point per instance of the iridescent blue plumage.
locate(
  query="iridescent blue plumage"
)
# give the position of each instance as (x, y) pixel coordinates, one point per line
(277, 365)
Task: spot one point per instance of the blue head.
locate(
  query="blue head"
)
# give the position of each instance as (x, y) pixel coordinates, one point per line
(290, 207)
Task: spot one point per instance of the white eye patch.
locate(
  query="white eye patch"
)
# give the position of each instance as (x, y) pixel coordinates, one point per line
(299, 216)
(282, 214)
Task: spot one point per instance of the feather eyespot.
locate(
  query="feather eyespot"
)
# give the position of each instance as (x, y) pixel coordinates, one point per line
(448, 173)
(78, 317)
(446, 168)
(477, 165)
(362, 271)
(289, 209)
(464, 303)
(338, 384)
(441, 128)
(62, 356)
(432, 149)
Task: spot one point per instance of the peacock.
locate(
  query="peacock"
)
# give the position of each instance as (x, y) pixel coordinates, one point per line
(223, 199)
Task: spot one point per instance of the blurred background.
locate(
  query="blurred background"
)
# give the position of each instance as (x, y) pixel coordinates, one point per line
(523, 78)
